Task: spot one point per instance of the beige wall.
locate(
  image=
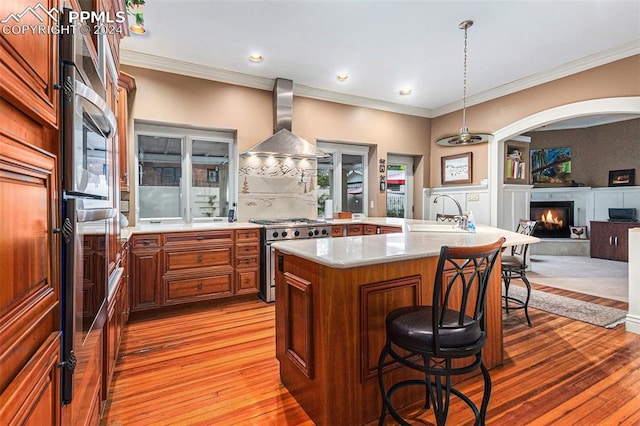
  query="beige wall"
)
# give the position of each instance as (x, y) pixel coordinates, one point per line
(172, 98)
(596, 150)
(179, 99)
(620, 78)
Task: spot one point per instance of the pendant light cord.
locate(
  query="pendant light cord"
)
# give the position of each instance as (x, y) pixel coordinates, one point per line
(464, 84)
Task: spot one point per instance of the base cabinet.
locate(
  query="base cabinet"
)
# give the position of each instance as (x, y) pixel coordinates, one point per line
(610, 240)
(182, 267)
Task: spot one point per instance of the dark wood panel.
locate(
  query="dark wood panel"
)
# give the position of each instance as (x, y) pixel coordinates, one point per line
(181, 290)
(298, 323)
(198, 258)
(33, 396)
(145, 270)
(213, 363)
(26, 62)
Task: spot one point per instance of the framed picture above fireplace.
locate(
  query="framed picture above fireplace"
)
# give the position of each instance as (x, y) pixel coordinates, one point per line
(551, 166)
(622, 177)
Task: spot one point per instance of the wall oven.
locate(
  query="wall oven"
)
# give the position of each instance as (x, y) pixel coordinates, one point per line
(90, 220)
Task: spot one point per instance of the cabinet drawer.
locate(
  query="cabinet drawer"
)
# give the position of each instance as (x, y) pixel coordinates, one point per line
(247, 250)
(182, 238)
(176, 260)
(354, 230)
(198, 288)
(144, 241)
(370, 230)
(247, 235)
(247, 281)
(248, 261)
(337, 230)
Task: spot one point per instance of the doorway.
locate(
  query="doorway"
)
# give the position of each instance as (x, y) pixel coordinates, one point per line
(400, 186)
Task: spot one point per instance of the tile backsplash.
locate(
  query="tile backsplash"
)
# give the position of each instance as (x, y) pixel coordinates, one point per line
(276, 188)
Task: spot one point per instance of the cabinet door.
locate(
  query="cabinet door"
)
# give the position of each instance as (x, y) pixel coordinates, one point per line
(27, 75)
(621, 241)
(145, 285)
(600, 240)
(337, 230)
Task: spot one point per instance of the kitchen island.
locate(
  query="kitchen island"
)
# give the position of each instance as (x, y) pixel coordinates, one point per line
(332, 296)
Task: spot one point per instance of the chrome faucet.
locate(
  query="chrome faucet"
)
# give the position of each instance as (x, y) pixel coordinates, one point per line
(462, 221)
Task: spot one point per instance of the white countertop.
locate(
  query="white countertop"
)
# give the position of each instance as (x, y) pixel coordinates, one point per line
(150, 228)
(349, 252)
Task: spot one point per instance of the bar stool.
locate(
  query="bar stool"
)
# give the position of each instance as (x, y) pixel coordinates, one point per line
(515, 266)
(453, 327)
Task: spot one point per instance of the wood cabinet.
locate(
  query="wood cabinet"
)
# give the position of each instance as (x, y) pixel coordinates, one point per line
(126, 86)
(516, 162)
(29, 259)
(389, 229)
(28, 64)
(145, 271)
(610, 240)
(337, 230)
(369, 229)
(181, 267)
(197, 266)
(355, 229)
(247, 263)
(117, 317)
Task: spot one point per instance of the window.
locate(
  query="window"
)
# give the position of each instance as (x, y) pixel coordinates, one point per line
(342, 177)
(184, 174)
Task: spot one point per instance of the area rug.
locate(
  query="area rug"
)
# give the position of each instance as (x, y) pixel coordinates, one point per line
(591, 313)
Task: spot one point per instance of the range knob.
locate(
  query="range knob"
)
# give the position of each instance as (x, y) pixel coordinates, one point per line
(315, 232)
(296, 233)
(324, 232)
(275, 234)
(310, 233)
(284, 234)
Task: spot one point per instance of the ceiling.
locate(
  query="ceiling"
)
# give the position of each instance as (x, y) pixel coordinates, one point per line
(386, 45)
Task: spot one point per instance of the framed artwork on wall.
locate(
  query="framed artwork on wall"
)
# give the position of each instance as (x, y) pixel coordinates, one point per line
(456, 169)
(578, 232)
(622, 177)
(551, 166)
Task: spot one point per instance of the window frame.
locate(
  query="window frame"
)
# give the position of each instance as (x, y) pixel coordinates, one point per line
(186, 134)
(338, 149)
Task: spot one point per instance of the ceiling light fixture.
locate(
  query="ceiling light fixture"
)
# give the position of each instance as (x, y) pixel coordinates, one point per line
(405, 92)
(342, 77)
(465, 137)
(255, 57)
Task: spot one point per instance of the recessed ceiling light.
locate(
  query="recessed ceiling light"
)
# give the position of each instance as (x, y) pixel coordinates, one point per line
(255, 57)
(405, 92)
(342, 77)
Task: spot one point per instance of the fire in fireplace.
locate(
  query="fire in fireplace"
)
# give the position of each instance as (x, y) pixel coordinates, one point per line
(555, 218)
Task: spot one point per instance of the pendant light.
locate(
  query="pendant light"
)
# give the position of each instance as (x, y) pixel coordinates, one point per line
(465, 137)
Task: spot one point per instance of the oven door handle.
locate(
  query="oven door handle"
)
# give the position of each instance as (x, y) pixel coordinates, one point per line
(88, 94)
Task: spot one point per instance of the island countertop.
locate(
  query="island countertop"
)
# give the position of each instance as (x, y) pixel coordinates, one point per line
(349, 252)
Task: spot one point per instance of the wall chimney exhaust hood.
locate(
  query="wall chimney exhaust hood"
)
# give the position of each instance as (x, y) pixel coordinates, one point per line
(284, 143)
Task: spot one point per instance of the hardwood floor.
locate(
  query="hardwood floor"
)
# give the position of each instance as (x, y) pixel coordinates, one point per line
(214, 364)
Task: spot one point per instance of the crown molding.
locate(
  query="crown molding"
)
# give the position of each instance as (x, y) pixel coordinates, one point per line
(159, 63)
(601, 58)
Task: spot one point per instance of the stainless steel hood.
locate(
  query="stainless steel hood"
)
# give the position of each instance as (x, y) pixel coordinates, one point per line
(284, 142)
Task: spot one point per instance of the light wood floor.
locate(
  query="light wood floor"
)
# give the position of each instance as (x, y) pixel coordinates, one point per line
(215, 365)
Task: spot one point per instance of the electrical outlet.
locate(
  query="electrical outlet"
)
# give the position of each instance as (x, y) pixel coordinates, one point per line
(372, 204)
(124, 206)
(473, 197)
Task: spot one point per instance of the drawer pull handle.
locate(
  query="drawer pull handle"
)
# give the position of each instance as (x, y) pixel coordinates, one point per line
(199, 259)
(199, 286)
(247, 280)
(199, 237)
(145, 243)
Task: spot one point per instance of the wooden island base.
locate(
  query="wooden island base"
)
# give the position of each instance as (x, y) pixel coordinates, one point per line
(330, 330)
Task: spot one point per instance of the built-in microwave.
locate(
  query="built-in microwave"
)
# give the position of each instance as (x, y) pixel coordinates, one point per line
(88, 124)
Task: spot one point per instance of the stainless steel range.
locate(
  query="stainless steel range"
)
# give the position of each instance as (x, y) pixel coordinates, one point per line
(279, 230)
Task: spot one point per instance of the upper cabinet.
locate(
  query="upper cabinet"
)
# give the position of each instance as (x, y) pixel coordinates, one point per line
(126, 87)
(27, 78)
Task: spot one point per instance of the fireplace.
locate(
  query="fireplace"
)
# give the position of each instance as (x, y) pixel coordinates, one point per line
(554, 217)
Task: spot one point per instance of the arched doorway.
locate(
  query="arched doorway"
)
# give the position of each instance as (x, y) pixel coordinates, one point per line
(621, 105)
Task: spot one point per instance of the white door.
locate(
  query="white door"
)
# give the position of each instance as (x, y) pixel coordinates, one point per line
(400, 186)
